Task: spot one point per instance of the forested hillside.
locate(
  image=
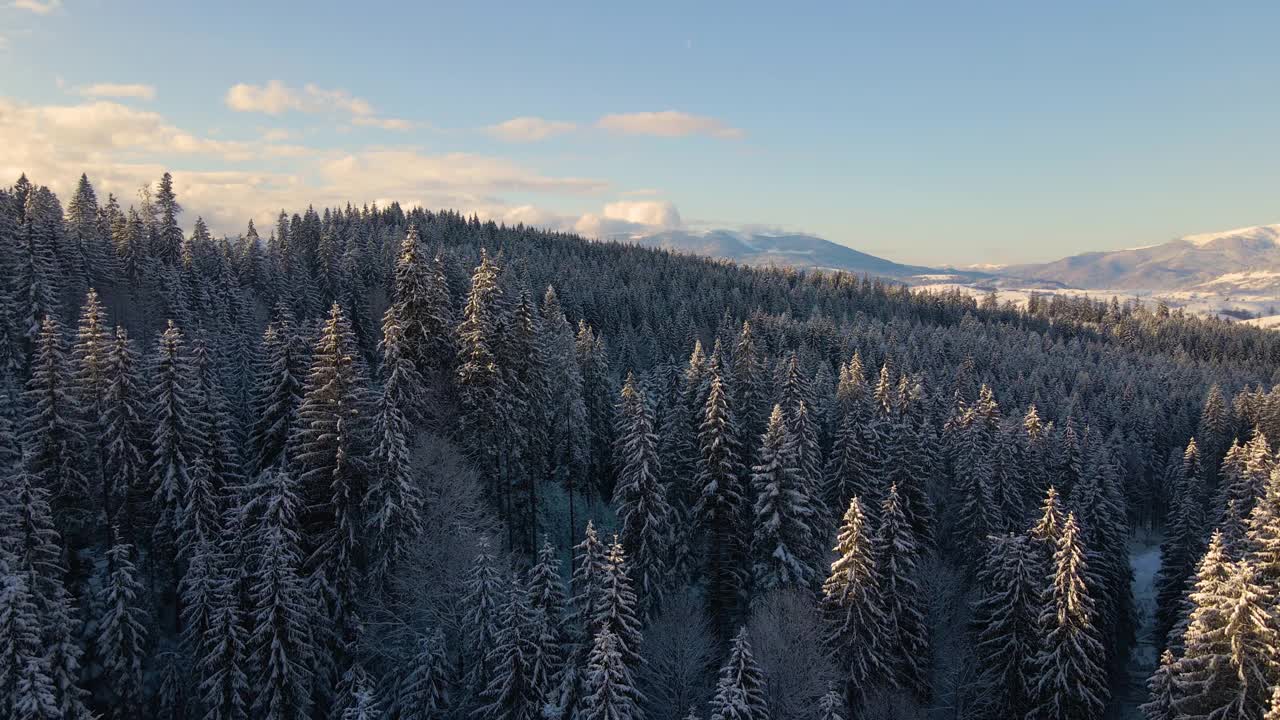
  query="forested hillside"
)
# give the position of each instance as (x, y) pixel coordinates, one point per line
(378, 463)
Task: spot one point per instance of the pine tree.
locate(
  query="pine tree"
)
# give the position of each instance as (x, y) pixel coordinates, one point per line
(278, 388)
(853, 607)
(906, 646)
(722, 506)
(1005, 621)
(784, 518)
(644, 516)
(481, 384)
(168, 239)
(831, 707)
(853, 467)
(1181, 549)
(37, 287)
(974, 436)
(481, 626)
(511, 692)
(26, 685)
(1071, 680)
(1228, 666)
(328, 447)
(224, 685)
(425, 692)
(122, 634)
(282, 647)
(424, 308)
(1160, 691)
(597, 397)
(125, 439)
(740, 690)
(616, 606)
(608, 687)
(53, 432)
(394, 500)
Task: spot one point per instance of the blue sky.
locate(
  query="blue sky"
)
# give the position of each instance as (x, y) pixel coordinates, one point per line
(924, 132)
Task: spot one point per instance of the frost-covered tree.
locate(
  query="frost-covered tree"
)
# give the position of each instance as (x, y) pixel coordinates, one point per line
(278, 388)
(740, 690)
(616, 606)
(1005, 620)
(424, 308)
(512, 693)
(1228, 665)
(609, 691)
(53, 432)
(906, 640)
(282, 647)
(722, 507)
(424, 694)
(853, 607)
(125, 438)
(644, 516)
(177, 439)
(481, 605)
(393, 501)
(122, 632)
(1070, 681)
(481, 383)
(784, 518)
(1159, 705)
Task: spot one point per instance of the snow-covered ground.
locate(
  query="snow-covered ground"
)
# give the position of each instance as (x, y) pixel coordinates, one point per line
(1144, 558)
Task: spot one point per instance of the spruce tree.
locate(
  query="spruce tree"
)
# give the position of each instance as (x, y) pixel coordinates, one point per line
(424, 308)
(125, 441)
(740, 690)
(615, 608)
(1005, 620)
(122, 632)
(278, 388)
(721, 509)
(906, 641)
(1159, 705)
(853, 607)
(481, 384)
(177, 438)
(511, 692)
(26, 685)
(644, 517)
(1070, 679)
(424, 694)
(480, 600)
(609, 691)
(784, 517)
(53, 433)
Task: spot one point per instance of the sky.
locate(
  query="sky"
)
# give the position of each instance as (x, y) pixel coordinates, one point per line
(923, 132)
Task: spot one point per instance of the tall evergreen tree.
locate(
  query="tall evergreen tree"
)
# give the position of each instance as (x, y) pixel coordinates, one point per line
(784, 517)
(278, 388)
(906, 646)
(609, 691)
(1005, 620)
(122, 632)
(721, 508)
(125, 439)
(643, 513)
(740, 690)
(1070, 678)
(424, 309)
(853, 607)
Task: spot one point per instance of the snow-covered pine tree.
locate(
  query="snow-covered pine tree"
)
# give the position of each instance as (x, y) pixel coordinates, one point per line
(177, 437)
(973, 436)
(597, 396)
(424, 693)
(125, 439)
(512, 692)
(784, 518)
(393, 501)
(33, 548)
(122, 632)
(26, 684)
(1215, 431)
(740, 689)
(224, 682)
(89, 379)
(278, 388)
(38, 287)
(1159, 705)
(424, 308)
(1071, 681)
(53, 433)
(566, 423)
(854, 465)
(749, 382)
(853, 607)
(481, 606)
(1228, 665)
(831, 706)
(644, 517)
(906, 640)
(1005, 621)
(329, 446)
(722, 507)
(609, 691)
(282, 649)
(616, 606)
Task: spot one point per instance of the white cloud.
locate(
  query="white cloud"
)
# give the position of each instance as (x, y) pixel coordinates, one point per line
(529, 129)
(668, 123)
(122, 148)
(275, 98)
(4, 43)
(119, 90)
(39, 7)
(629, 217)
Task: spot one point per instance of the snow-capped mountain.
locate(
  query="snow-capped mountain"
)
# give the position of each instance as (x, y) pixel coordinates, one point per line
(782, 250)
(1246, 259)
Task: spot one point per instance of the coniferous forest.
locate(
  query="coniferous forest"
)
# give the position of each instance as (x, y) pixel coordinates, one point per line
(379, 463)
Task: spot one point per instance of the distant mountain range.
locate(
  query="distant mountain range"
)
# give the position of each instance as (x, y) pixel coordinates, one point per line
(1233, 273)
(781, 250)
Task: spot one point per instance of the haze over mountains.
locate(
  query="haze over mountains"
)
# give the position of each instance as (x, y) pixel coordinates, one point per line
(1235, 273)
